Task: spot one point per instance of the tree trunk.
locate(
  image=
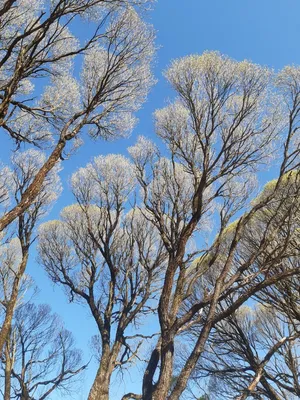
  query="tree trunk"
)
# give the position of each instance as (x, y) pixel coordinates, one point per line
(12, 303)
(34, 189)
(8, 368)
(150, 372)
(100, 388)
(25, 395)
(162, 388)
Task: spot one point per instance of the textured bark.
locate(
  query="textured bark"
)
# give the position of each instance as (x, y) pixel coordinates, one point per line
(166, 372)
(100, 388)
(25, 395)
(4, 332)
(33, 190)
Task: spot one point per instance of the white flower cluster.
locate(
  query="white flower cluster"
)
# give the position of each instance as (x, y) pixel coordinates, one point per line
(62, 98)
(143, 151)
(226, 112)
(106, 181)
(116, 77)
(11, 254)
(32, 127)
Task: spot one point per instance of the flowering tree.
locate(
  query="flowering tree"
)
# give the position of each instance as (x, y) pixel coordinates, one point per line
(109, 259)
(37, 46)
(221, 130)
(40, 357)
(229, 120)
(253, 352)
(16, 241)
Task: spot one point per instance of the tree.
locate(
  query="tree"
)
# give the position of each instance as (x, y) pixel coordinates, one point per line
(221, 130)
(253, 354)
(40, 355)
(110, 260)
(16, 242)
(37, 46)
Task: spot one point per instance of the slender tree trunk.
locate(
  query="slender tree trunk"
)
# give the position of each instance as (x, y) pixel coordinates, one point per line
(8, 368)
(251, 388)
(12, 303)
(150, 371)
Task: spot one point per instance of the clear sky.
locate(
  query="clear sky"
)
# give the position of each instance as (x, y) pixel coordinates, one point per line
(264, 31)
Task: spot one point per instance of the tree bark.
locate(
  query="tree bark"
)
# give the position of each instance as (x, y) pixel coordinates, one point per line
(34, 189)
(8, 368)
(150, 371)
(100, 387)
(166, 372)
(12, 303)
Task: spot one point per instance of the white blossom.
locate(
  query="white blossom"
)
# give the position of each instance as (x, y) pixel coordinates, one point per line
(11, 254)
(108, 180)
(221, 101)
(143, 151)
(116, 76)
(32, 127)
(63, 97)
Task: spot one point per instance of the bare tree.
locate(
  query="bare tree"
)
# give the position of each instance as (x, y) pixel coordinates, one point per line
(110, 260)
(220, 131)
(40, 355)
(254, 353)
(37, 46)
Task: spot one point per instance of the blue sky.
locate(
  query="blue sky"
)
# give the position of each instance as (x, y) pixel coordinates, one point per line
(264, 31)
